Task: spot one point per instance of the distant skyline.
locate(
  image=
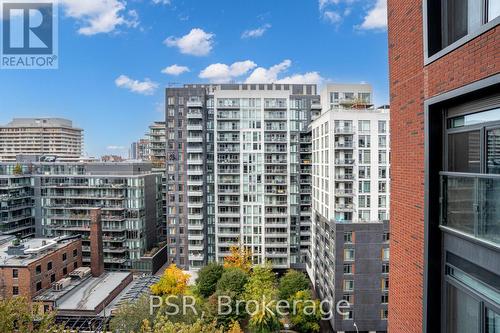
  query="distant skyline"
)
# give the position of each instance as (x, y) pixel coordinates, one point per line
(116, 57)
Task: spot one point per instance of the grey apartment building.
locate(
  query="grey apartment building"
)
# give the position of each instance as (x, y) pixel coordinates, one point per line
(349, 258)
(41, 136)
(63, 195)
(238, 172)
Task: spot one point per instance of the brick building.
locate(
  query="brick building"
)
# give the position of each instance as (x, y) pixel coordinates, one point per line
(445, 235)
(31, 266)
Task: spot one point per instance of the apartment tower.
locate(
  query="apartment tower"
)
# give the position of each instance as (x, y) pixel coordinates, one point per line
(445, 127)
(238, 164)
(350, 207)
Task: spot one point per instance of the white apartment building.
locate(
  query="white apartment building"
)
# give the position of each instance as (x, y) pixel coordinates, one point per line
(40, 136)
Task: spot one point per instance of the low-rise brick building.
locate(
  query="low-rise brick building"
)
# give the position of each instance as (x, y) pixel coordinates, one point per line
(29, 267)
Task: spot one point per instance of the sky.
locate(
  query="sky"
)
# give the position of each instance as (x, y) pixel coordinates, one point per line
(117, 57)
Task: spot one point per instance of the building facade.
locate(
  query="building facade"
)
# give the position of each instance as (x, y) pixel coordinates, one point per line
(29, 267)
(238, 172)
(444, 81)
(16, 202)
(40, 136)
(350, 207)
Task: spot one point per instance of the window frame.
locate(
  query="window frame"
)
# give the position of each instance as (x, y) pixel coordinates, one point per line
(455, 45)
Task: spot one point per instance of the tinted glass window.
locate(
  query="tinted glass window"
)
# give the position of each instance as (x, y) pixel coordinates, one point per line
(464, 152)
(462, 315)
(493, 151)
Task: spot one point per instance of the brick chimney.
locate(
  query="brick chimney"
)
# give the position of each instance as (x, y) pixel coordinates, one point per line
(96, 251)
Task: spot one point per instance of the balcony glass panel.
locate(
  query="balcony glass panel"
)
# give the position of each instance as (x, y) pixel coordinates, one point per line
(470, 204)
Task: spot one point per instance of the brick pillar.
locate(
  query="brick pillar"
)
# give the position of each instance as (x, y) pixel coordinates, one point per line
(96, 251)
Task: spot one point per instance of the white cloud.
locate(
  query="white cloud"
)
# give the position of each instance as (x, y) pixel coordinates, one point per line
(197, 42)
(255, 33)
(162, 2)
(175, 70)
(268, 75)
(332, 16)
(376, 18)
(222, 73)
(100, 16)
(146, 87)
(306, 78)
(323, 3)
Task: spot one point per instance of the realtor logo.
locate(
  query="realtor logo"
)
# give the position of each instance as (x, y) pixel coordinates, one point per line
(29, 34)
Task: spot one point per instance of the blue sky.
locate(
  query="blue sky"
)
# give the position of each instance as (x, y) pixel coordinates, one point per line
(116, 57)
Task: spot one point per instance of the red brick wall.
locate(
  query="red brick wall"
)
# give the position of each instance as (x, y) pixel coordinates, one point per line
(27, 279)
(411, 83)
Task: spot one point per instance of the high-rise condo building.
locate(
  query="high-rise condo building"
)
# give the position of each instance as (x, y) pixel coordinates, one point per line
(445, 203)
(238, 172)
(40, 136)
(350, 207)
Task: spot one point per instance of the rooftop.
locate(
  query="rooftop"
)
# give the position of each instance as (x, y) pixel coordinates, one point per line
(40, 122)
(29, 250)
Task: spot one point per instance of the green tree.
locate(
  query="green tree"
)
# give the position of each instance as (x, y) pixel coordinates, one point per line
(233, 279)
(162, 325)
(20, 315)
(292, 282)
(261, 289)
(305, 314)
(130, 316)
(208, 277)
(223, 307)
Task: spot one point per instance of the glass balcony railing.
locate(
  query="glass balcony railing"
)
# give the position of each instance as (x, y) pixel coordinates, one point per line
(470, 203)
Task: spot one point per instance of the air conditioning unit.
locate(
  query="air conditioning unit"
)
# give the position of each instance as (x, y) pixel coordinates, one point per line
(61, 284)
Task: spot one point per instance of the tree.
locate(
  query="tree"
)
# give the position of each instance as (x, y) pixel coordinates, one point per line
(208, 277)
(173, 282)
(164, 326)
(224, 308)
(261, 289)
(305, 315)
(292, 282)
(18, 169)
(240, 257)
(19, 315)
(131, 316)
(233, 279)
(235, 328)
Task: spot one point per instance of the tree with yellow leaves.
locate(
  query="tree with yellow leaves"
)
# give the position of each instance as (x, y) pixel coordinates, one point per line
(240, 257)
(173, 282)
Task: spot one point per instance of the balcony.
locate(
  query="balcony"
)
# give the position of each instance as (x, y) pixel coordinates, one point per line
(345, 161)
(194, 114)
(344, 130)
(194, 104)
(344, 145)
(194, 127)
(470, 205)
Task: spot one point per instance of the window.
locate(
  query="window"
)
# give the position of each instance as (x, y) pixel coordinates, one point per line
(382, 172)
(382, 157)
(364, 201)
(386, 237)
(464, 152)
(364, 141)
(382, 187)
(348, 269)
(348, 298)
(38, 269)
(492, 321)
(364, 215)
(364, 186)
(450, 20)
(384, 299)
(348, 237)
(64, 256)
(15, 290)
(49, 265)
(52, 278)
(462, 311)
(385, 254)
(384, 314)
(75, 253)
(385, 268)
(382, 126)
(364, 156)
(348, 254)
(382, 201)
(348, 285)
(382, 141)
(39, 286)
(15, 273)
(65, 270)
(364, 125)
(364, 172)
(385, 284)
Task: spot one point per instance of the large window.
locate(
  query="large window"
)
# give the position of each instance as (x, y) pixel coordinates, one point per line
(451, 20)
(462, 313)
